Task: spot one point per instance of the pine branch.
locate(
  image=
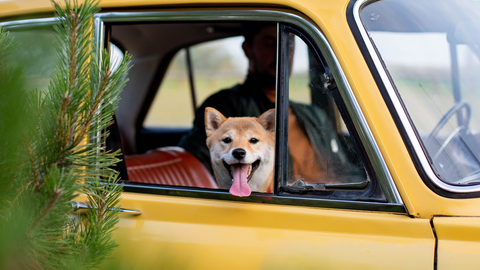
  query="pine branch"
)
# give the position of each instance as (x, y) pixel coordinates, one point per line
(35, 169)
(50, 206)
(7, 45)
(63, 155)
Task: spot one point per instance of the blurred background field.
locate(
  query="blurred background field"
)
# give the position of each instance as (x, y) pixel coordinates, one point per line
(420, 66)
(217, 65)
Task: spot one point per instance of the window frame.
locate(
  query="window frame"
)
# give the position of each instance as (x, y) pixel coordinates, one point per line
(394, 202)
(398, 110)
(341, 113)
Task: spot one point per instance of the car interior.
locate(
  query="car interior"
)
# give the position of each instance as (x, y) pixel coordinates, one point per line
(150, 152)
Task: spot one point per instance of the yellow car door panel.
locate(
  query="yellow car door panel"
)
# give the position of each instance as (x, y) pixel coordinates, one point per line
(458, 244)
(192, 233)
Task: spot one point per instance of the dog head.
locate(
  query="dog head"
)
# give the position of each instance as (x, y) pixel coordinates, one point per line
(241, 150)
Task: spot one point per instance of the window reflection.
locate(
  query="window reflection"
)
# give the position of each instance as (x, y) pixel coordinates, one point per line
(431, 52)
(319, 153)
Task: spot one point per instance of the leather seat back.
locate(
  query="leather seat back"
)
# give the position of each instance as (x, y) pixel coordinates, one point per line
(169, 166)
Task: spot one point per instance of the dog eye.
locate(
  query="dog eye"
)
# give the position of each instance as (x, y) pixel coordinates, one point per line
(227, 140)
(253, 140)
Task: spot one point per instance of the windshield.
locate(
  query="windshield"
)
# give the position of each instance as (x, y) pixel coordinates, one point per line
(431, 52)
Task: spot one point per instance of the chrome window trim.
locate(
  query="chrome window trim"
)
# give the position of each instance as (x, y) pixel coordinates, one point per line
(366, 136)
(28, 22)
(262, 198)
(408, 126)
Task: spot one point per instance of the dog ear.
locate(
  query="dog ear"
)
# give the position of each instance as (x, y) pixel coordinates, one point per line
(213, 120)
(267, 120)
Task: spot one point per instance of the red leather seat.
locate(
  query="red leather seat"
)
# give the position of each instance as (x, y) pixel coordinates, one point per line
(169, 166)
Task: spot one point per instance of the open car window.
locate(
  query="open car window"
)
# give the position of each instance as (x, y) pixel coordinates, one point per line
(299, 142)
(433, 65)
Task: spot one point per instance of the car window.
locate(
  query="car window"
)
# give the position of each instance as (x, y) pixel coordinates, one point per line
(233, 141)
(434, 64)
(322, 158)
(36, 53)
(299, 81)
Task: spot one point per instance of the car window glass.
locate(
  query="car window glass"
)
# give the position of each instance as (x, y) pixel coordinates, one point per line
(299, 81)
(434, 64)
(299, 90)
(36, 53)
(322, 158)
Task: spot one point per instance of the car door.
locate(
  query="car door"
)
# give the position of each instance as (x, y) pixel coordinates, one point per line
(361, 224)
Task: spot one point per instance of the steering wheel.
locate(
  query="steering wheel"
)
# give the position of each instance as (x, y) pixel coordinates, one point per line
(452, 111)
(463, 121)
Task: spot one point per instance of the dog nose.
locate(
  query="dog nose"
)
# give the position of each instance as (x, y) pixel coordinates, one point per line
(239, 153)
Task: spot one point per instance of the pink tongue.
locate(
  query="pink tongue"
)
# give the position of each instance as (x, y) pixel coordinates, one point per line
(240, 187)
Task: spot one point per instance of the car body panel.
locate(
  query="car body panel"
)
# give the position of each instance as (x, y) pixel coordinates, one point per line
(190, 233)
(458, 242)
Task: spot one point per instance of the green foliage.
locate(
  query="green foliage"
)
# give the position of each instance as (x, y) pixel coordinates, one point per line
(52, 148)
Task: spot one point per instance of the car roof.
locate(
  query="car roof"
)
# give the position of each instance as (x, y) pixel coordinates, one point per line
(22, 7)
(396, 13)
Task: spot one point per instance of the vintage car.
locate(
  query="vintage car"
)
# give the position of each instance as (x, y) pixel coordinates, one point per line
(397, 79)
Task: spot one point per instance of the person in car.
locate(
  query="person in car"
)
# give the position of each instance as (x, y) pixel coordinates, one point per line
(317, 158)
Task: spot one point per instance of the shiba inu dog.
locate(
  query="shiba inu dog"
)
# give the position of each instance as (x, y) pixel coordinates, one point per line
(241, 151)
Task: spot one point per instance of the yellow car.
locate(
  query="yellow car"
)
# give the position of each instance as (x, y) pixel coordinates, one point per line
(377, 144)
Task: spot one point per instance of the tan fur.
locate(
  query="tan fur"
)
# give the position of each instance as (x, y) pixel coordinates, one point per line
(240, 130)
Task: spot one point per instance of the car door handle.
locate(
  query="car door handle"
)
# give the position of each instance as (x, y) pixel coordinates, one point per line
(81, 207)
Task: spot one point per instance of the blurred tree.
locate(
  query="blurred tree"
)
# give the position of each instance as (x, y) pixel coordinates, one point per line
(51, 149)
